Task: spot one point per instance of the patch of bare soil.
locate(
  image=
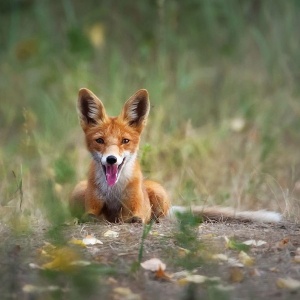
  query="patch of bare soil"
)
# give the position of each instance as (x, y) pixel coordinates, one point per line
(112, 270)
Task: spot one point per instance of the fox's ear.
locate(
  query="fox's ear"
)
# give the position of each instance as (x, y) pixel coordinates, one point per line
(136, 109)
(90, 108)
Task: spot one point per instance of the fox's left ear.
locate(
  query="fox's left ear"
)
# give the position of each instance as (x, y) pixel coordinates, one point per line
(136, 109)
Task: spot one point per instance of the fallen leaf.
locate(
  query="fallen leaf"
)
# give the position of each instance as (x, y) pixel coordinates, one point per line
(156, 233)
(220, 256)
(111, 280)
(29, 288)
(235, 263)
(255, 243)
(91, 240)
(192, 279)
(297, 258)
(183, 252)
(236, 274)
(161, 275)
(126, 294)
(235, 245)
(76, 242)
(153, 264)
(180, 274)
(35, 266)
(255, 272)
(123, 291)
(245, 259)
(184, 277)
(47, 249)
(283, 243)
(80, 263)
(111, 233)
(62, 259)
(288, 283)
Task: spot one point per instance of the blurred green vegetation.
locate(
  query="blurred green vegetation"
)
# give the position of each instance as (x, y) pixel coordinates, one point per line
(223, 83)
(225, 119)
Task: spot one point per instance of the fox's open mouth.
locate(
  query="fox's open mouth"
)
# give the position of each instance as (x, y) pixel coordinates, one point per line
(112, 172)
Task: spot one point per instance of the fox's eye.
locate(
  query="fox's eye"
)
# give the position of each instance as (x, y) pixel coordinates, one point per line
(125, 141)
(100, 141)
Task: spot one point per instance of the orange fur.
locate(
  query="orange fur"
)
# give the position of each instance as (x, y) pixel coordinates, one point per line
(130, 198)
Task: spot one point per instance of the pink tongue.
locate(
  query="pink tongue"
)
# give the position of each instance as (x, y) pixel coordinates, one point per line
(111, 174)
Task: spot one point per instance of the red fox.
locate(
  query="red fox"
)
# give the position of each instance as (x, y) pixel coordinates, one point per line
(116, 189)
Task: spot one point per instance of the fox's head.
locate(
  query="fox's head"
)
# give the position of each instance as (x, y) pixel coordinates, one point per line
(113, 141)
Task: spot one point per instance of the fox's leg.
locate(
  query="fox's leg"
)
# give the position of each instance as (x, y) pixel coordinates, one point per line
(159, 200)
(137, 208)
(83, 203)
(93, 204)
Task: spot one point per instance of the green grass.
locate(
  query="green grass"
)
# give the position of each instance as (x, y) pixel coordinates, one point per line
(205, 64)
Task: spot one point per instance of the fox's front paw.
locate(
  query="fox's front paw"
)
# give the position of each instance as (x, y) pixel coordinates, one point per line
(134, 219)
(88, 217)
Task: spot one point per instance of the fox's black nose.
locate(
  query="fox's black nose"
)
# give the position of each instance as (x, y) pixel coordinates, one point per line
(111, 159)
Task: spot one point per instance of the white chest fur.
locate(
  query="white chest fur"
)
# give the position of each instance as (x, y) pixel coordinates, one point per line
(113, 195)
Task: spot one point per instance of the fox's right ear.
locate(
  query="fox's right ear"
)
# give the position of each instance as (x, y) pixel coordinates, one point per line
(90, 108)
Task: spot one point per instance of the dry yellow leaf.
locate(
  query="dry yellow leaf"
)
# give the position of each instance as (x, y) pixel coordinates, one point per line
(192, 279)
(236, 274)
(111, 233)
(29, 288)
(47, 249)
(154, 232)
(245, 259)
(288, 283)
(220, 257)
(297, 258)
(123, 291)
(77, 242)
(62, 259)
(182, 251)
(80, 263)
(126, 294)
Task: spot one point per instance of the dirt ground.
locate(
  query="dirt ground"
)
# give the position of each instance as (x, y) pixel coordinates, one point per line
(114, 271)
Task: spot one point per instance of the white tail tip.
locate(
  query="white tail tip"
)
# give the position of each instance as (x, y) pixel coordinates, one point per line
(260, 216)
(223, 213)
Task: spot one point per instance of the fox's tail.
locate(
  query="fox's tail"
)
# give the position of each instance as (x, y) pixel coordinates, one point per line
(226, 213)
